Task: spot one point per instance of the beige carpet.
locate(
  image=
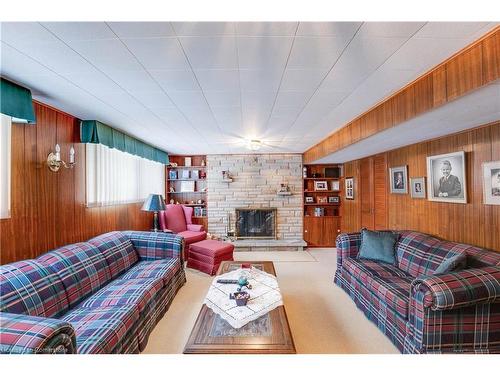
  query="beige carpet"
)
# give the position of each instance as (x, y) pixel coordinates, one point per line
(323, 319)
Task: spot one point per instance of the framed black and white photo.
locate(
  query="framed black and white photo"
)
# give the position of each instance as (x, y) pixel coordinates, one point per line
(333, 199)
(446, 180)
(491, 182)
(349, 188)
(309, 199)
(417, 187)
(320, 185)
(399, 180)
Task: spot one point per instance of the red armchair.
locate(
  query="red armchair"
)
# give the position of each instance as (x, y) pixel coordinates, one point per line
(178, 219)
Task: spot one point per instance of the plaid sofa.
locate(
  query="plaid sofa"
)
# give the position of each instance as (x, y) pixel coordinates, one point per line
(419, 312)
(101, 296)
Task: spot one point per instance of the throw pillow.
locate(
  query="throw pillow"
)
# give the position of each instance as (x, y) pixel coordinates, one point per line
(378, 246)
(452, 264)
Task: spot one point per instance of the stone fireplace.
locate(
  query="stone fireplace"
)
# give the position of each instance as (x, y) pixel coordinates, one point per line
(256, 223)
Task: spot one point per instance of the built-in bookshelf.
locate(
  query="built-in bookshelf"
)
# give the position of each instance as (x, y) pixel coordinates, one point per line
(186, 183)
(322, 203)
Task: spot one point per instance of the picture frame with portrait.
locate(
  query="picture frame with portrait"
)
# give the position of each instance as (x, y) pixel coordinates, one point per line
(446, 178)
(309, 199)
(333, 199)
(417, 187)
(491, 182)
(320, 185)
(398, 180)
(349, 188)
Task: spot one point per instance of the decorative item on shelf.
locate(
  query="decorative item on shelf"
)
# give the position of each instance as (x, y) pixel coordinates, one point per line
(399, 180)
(203, 174)
(187, 186)
(54, 161)
(202, 162)
(320, 185)
(309, 199)
(191, 202)
(226, 176)
(154, 203)
(417, 186)
(319, 211)
(491, 182)
(173, 165)
(322, 199)
(333, 199)
(335, 185)
(195, 174)
(198, 211)
(185, 174)
(200, 201)
(316, 175)
(204, 190)
(171, 189)
(172, 174)
(172, 201)
(284, 189)
(177, 202)
(187, 161)
(349, 188)
(304, 172)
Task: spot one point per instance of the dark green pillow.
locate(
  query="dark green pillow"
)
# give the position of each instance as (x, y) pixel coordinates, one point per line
(378, 246)
(455, 263)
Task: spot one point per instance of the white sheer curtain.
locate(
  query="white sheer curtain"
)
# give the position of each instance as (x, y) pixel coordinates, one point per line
(5, 130)
(116, 177)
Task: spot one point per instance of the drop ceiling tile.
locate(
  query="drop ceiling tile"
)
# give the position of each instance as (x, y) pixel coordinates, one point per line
(266, 28)
(172, 116)
(449, 29)
(106, 54)
(92, 81)
(210, 52)
(345, 80)
(153, 99)
(302, 79)
(218, 79)
(14, 62)
(228, 117)
(204, 28)
(389, 29)
(19, 33)
(260, 80)
(338, 29)
(158, 53)
(316, 52)
(188, 98)
(223, 98)
(68, 31)
(293, 98)
(133, 80)
(263, 52)
(258, 99)
(175, 80)
(286, 112)
(142, 29)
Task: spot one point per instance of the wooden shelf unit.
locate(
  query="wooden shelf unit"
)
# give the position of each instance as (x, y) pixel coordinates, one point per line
(184, 197)
(321, 231)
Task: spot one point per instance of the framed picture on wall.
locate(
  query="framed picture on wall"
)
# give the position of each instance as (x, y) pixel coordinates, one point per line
(491, 182)
(349, 188)
(399, 180)
(446, 178)
(417, 187)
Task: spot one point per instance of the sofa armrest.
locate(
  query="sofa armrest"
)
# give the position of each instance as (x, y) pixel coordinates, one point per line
(195, 227)
(459, 289)
(25, 334)
(156, 245)
(347, 246)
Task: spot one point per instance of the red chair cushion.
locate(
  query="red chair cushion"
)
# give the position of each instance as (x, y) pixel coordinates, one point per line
(212, 248)
(176, 219)
(192, 237)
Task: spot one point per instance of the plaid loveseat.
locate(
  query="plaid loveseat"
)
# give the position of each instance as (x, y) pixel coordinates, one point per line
(101, 296)
(418, 311)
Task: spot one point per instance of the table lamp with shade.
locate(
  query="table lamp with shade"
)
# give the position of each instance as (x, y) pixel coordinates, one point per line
(154, 203)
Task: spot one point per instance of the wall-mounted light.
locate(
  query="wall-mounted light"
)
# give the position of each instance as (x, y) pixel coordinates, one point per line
(54, 161)
(254, 144)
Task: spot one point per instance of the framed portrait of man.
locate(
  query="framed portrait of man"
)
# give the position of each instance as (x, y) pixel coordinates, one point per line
(446, 180)
(491, 182)
(417, 187)
(399, 180)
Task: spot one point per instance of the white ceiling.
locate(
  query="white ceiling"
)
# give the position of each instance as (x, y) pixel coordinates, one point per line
(194, 87)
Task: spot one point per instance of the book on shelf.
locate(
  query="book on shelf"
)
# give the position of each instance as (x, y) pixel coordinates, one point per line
(172, 175)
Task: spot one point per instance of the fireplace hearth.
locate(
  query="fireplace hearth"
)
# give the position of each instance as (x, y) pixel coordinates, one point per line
(256, 223)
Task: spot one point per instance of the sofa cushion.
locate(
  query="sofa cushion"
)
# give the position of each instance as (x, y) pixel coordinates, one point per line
(138, 292)
(118, 251)
(103, 330)
(192, 237)
(453, 263)
(163, 269)
(384, 281)
(31, 288)
(378, 246)
(81, 267)
(175, 218)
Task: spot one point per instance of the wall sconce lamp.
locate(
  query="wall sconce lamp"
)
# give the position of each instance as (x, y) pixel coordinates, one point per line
(54, 161)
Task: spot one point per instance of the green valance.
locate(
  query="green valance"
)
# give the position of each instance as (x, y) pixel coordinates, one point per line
(92, 131)
(16, 102)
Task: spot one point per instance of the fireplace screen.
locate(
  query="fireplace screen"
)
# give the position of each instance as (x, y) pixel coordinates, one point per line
(257, 223)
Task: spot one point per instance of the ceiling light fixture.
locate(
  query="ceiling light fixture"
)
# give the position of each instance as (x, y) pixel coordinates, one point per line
(254, 144)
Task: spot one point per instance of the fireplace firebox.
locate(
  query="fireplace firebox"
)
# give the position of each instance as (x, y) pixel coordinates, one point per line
(256, 223)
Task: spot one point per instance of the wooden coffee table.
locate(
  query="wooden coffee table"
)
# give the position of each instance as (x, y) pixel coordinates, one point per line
(269, 334)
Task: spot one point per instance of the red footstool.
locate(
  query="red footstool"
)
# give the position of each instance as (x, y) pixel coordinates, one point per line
(206, 255)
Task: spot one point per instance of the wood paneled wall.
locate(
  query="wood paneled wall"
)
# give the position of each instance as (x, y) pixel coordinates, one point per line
(473, 67)
(473, 223)
(48, 209)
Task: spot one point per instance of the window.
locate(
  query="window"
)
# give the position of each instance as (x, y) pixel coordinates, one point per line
(117, 177)
(5, 129)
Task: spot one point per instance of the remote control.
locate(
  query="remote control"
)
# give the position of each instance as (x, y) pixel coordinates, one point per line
(227, 281)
